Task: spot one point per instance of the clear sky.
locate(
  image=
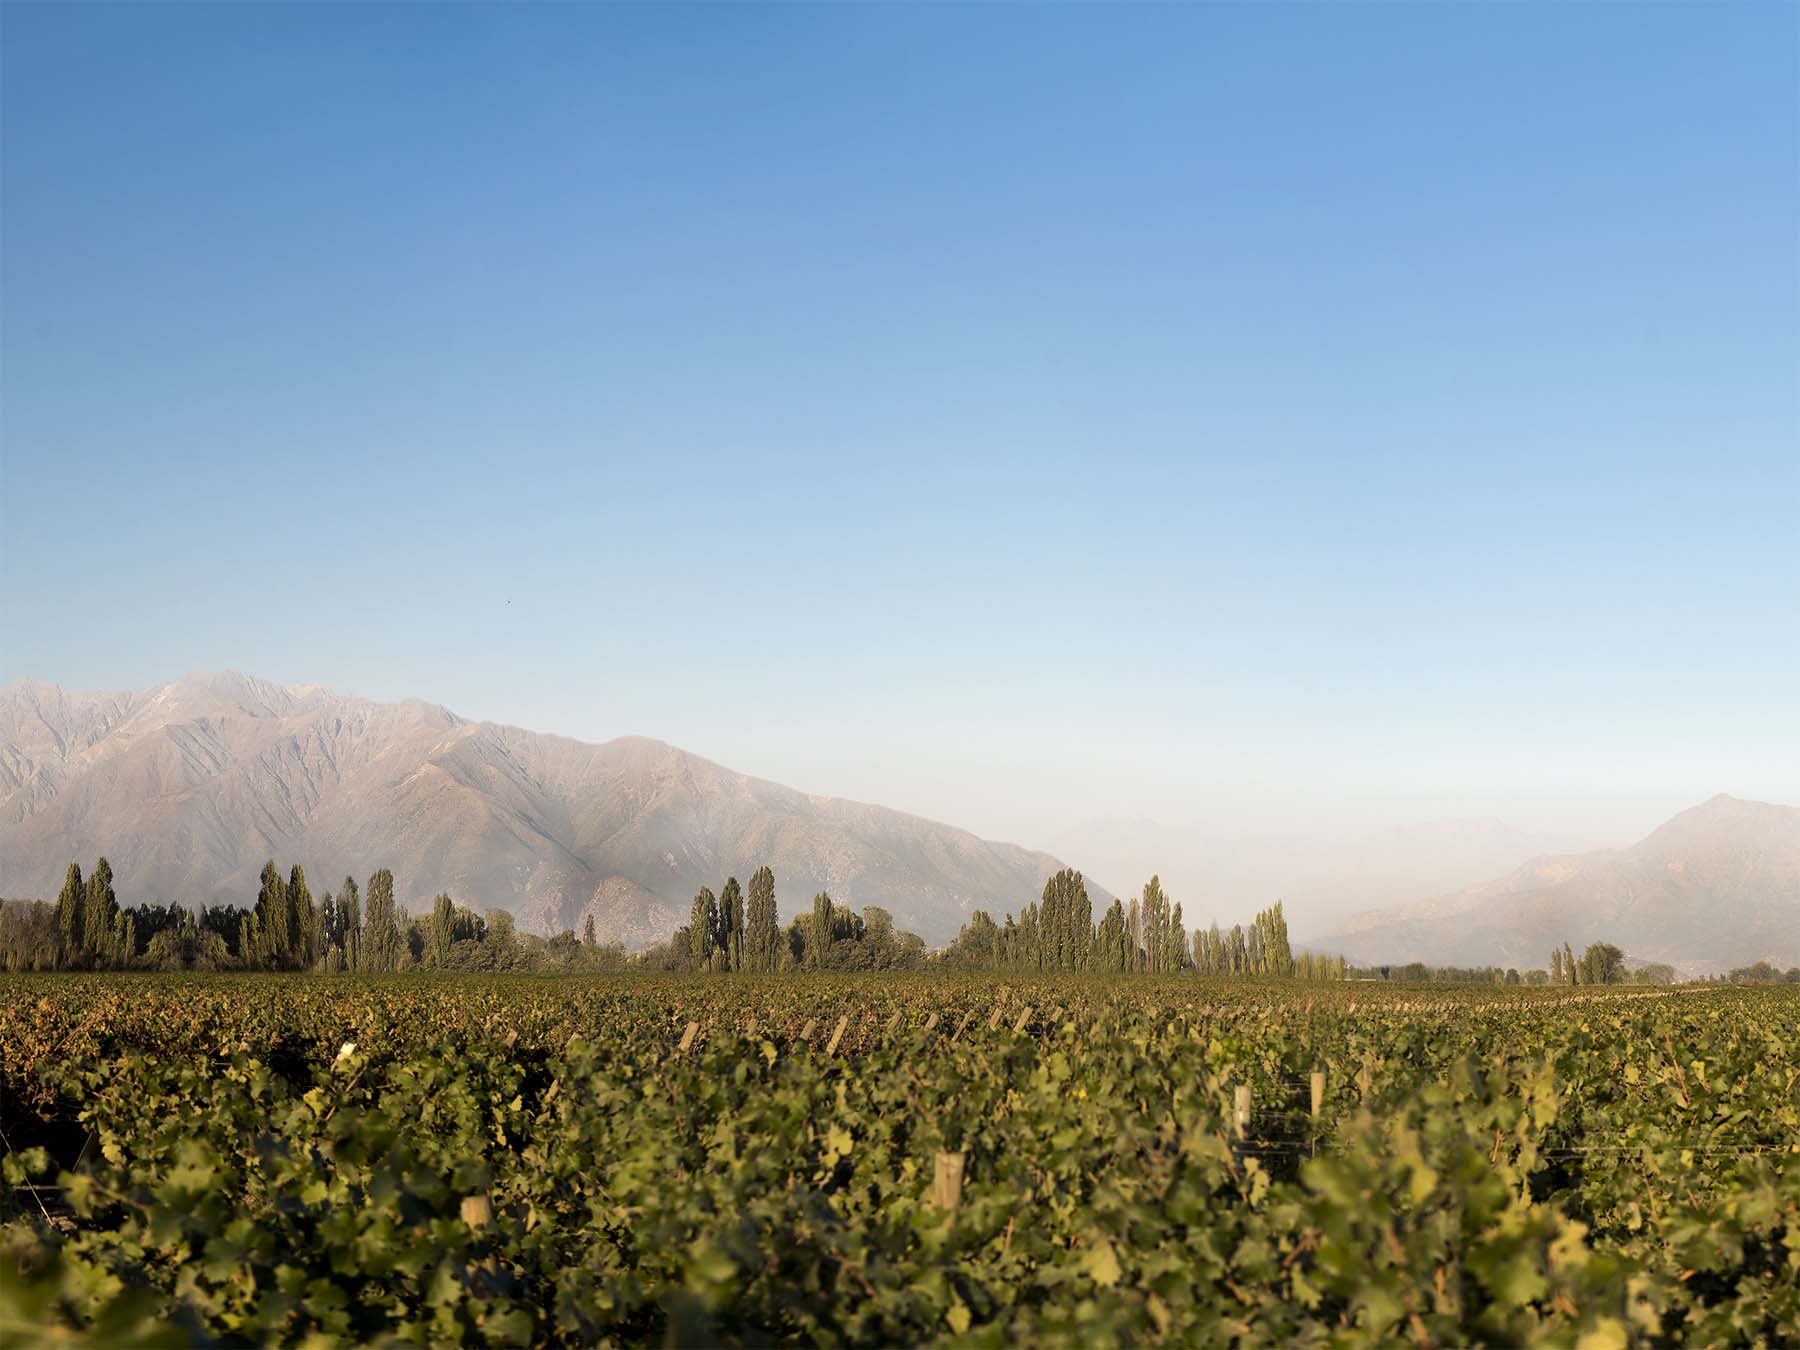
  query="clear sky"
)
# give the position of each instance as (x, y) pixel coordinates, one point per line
(1014, 414)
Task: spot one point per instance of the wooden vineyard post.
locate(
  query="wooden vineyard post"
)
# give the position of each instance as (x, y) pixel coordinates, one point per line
(1240, 1112)
(687, 1037)
(893, 1022)
(477, 1211)
(1024, 1017)
(994, 1021)
(807, 1030)
(947, 1183)
(1318, 1105)
(960, 1025)
(931, 1022)
(1365, 1080)
(837, 1035)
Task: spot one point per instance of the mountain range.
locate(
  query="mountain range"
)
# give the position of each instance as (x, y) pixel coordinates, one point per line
(189, 787)
(1716, 886)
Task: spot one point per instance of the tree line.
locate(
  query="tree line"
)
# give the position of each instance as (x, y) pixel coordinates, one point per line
(1145, 934)
(361, 929)
(735, 931)
(358, 929)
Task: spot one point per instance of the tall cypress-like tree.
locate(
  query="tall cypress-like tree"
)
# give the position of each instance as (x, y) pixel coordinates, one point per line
(1177, 948)
(703, 929)
(1154, 906)
(1065, 922)
(818, 944)
(731, 923)
(331, 939)
(762, 927)
(350, 923)
(1110, 940)
(305, 920)
(382, 942)
(99, 911)
(440, 932)
(272, 922)
(71, 910)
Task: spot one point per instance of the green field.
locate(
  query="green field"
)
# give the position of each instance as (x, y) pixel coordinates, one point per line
(541, 1160)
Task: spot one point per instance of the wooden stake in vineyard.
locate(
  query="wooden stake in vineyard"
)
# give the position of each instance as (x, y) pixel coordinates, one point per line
(948, 1180)
(1240, 1111)
(687, 1037)
(837, 1035)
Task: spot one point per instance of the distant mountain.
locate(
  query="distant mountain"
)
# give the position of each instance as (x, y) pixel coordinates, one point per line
(189, 787)
(1321, 878)
(1717, 886)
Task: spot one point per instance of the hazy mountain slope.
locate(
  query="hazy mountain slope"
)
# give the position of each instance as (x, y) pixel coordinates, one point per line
(1714, 887)
(1320, 878)
(189, 787)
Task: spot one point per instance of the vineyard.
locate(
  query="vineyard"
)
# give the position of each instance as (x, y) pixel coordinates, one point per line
(969, 1159)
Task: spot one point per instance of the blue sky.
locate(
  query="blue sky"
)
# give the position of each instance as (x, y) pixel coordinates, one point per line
(1014, 414)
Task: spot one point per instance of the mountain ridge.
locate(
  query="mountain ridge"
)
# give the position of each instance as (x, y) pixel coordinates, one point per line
(188, 786)
(1715, 886)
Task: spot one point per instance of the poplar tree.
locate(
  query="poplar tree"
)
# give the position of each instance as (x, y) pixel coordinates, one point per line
(1177, 944)
(731, 924)
(1109, 942)
(99, 910)
(271, 930)
(440, 931)
(350, 923)
(703, 928)
(762, 928)
(382, 942)
(305, 949)
(71, 909)
(820, 943)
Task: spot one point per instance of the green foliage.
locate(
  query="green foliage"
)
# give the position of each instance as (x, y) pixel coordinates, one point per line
(383, 948)
(71, 909)
(511, 1161)
(763, 944)
(703, 931)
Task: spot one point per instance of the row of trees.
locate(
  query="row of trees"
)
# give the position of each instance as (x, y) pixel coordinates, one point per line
(364, 930)
(1145, 934)
(91, 930)
(360, 930)
(727, 933)
(1601, 963)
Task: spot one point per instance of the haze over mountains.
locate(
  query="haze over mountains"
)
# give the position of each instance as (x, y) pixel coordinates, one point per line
(1323, 872)
(189, 787)
(1715, 887)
